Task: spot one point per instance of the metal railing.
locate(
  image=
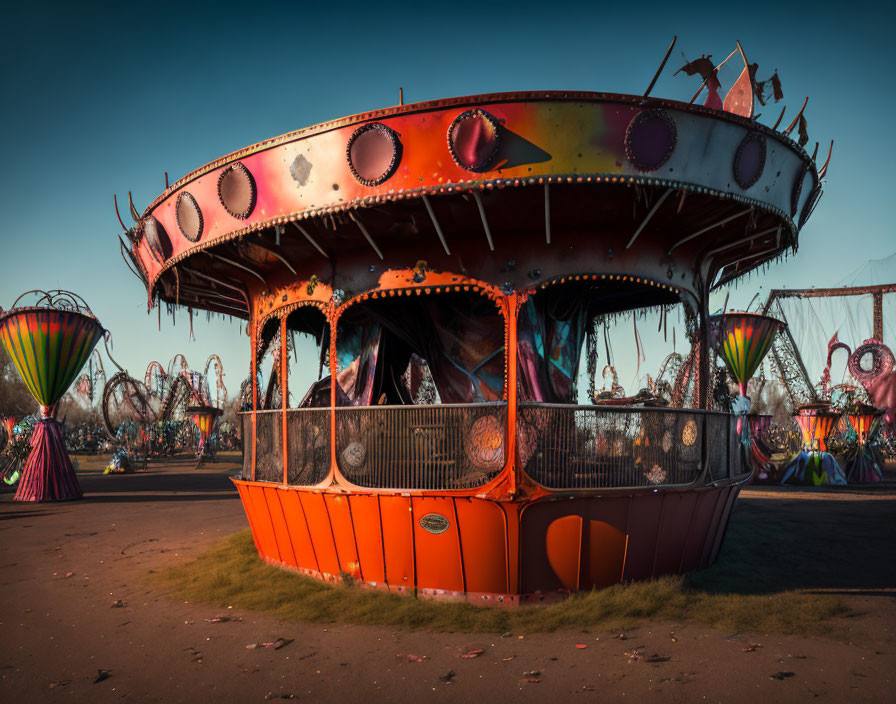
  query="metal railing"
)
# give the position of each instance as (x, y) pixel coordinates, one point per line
(308, 438)
(421, 447)
(454, 446)
(308, 445)
(268, 448)
(597, 447)
(248, 446)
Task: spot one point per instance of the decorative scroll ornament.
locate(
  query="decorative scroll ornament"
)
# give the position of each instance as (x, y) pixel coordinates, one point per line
(689, 433)
(485, 443)
(354, 455)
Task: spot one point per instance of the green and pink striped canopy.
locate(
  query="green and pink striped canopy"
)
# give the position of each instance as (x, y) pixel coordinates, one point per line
(743, 341)
(48, 347)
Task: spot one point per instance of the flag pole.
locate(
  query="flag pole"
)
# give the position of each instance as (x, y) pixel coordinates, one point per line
(662, 66)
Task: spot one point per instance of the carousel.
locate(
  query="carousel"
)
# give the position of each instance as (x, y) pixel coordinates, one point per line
(448, 262)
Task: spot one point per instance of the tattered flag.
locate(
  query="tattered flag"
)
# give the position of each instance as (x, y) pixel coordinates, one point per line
(804, 134)
(705, 68)
(739, 100)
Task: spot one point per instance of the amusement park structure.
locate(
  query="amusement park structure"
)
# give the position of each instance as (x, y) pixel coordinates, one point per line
(49, 337)
(477, 242)
(871, 364)
(176, 395)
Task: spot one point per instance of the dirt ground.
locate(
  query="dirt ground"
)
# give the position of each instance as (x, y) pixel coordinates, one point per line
(75, 602)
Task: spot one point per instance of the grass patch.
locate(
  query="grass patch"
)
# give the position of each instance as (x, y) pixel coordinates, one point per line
(231, 574)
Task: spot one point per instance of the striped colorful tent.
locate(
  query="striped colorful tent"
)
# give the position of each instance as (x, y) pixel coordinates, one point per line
(48, 347)
(743, 340)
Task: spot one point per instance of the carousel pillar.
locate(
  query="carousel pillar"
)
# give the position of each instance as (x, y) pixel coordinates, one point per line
(702, 389)
(284, 394)
(703, 356)
(512, 305)
(253, 340)
(333, 321)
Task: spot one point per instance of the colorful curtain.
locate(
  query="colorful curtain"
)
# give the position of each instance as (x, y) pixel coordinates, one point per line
(461, 339)
(550, 332)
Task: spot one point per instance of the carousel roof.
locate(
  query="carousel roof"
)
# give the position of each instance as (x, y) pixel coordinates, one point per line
(512, 189)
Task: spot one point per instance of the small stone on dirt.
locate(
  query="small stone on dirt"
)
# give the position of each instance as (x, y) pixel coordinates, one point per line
(781, 675)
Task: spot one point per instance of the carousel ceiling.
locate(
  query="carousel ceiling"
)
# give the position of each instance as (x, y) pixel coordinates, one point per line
(513, 189)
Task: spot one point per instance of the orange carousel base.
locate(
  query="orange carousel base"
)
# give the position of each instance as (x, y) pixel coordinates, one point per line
(487, 552)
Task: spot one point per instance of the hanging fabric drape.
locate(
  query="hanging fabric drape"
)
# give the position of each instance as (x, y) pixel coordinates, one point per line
(461, 339)
(550, 333)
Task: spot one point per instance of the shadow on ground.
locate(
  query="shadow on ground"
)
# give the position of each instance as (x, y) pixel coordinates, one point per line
(808, 541)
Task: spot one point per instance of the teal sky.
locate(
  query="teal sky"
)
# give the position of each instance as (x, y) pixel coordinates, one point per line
(105, 100)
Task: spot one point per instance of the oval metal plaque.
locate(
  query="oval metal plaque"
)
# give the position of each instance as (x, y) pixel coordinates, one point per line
(434, 523)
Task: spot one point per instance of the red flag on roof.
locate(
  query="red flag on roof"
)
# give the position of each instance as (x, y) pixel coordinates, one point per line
(713, 99)
(740, 98)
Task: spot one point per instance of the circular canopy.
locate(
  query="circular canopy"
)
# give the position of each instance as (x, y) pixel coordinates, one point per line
(513, 189)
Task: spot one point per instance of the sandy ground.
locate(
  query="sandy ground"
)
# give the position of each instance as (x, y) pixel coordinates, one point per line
(75, 601)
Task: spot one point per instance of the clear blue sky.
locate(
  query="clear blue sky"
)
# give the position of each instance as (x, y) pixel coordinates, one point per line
(102, 101)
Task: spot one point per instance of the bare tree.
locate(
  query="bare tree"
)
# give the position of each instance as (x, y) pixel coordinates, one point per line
(15, 399)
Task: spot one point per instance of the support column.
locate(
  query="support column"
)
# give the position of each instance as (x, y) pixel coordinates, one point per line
(513, 302)
(703, 374)
(333, 320)
(249, 443)
(284, 396)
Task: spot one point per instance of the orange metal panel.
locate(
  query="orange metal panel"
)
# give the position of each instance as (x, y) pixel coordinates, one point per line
(721, 502)
(723, 524)
(261, 519)
(605, 542)
(437, 544)
(678, 510)
(643, 521)
(244, 499)
(321, 531)
(563, 544)
(696, 539)
(395, 512)
(368, 537)
(536, 572)
(343, 534)
(512, 527)
(281, 533)
(481, 525)
(550, 542)
(302, 547)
